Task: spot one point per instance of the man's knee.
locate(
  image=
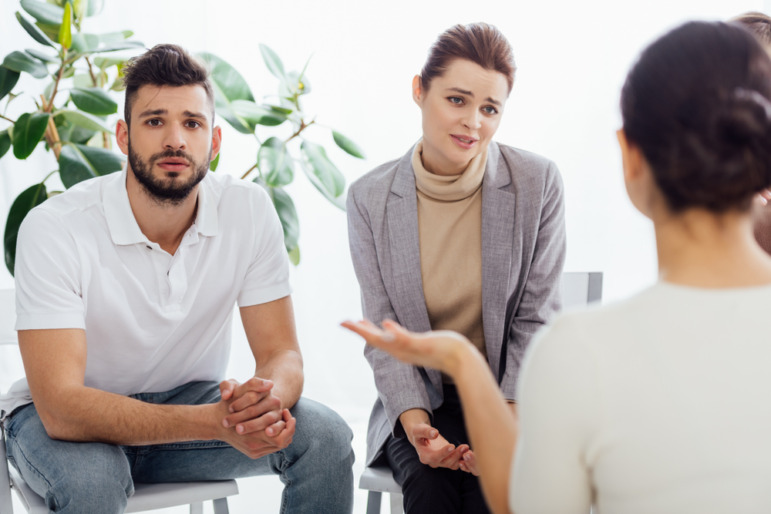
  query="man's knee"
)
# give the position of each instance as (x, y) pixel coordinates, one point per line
(106, 492)
(321, 430)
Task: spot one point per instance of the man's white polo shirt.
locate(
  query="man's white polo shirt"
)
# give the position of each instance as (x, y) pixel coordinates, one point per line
(153, 321)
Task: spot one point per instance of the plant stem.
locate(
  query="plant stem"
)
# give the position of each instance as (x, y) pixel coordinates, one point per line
(248, 171)
(303, 126)
(91, 72)
(6, 118)
(52, 137)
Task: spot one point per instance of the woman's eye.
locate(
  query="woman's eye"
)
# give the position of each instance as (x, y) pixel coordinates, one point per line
(489, 109)
(455, 100)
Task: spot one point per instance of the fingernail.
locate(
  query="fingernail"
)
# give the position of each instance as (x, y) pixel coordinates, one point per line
(240, 429)
(225, 423)
(388, 337)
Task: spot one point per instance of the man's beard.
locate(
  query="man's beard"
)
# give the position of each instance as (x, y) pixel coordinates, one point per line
(166, 190)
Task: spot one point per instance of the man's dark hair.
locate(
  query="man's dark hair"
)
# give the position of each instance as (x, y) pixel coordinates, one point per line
(163, 65)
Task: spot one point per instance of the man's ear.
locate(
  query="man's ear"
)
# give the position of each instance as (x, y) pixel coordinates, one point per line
(122, 136)
(417, 90)
(216, 141)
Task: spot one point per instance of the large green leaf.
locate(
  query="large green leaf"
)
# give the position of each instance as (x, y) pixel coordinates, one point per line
(215, 162)
(5, 142)
(29, 198)
(27, 132)
(37, 34)
(85, 43)
(65, 31)
(43, 12)
(288, 216)
(346, 144)
(287, 213)
(322, 173)
(294, 255)
(70, 133)
(229, 86)
(42, 56)
(85, 8)
(85, 120)
(8, 79)
(22, 61)
(272, 61)
(94, 101)
(294, 85)
(81, 162)
(254, 114)
(106, 62)
(275, 163)
(93, 43)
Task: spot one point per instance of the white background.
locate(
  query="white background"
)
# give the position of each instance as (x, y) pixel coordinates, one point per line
(572, 58)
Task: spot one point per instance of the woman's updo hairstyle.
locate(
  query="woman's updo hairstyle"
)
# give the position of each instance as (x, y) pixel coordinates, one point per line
(697, 105)
(480, 43)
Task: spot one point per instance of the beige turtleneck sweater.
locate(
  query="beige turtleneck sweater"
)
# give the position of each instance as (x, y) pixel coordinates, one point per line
(450, 231)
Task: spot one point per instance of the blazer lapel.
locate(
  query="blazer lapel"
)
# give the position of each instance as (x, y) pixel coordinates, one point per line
(404, 244)
(405, 277)
(497, 251)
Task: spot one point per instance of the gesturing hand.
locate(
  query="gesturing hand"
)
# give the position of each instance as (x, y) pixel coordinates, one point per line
(438, 350)
(469, 463)
(433, 449)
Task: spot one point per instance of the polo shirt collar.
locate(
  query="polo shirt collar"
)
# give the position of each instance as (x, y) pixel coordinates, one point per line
(122, 225)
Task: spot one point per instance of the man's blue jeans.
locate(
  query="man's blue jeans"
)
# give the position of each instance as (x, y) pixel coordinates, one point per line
(80, 478)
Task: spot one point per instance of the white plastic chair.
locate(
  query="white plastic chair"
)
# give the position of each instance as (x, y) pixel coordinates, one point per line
(146, 496)
(577, 288)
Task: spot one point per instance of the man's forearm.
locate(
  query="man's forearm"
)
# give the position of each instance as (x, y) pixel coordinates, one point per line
(87, 414)
(285, 370)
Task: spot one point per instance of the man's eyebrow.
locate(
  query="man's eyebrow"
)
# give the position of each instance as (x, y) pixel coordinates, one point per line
(191, 114)
(152, 112)
(160, 112)
(469, 93)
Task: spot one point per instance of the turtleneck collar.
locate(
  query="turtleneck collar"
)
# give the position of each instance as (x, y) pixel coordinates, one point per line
(449, 188)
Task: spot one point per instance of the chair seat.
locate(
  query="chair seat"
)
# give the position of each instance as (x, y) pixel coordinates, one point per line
(379, 478)
(146, 496)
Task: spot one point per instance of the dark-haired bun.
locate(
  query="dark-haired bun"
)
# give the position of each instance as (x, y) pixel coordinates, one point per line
(724, 163)
(697, 104)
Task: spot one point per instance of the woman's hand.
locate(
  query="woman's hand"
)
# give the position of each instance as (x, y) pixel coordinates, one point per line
(442, 350)
(469, 463)
(433, 449)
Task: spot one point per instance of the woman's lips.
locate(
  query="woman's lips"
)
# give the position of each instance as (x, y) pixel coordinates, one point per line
(463, 141)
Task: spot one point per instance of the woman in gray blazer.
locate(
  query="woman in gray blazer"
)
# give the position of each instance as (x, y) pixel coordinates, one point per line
(447, 237)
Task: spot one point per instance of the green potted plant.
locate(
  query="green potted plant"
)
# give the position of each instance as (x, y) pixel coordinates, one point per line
(80, 76)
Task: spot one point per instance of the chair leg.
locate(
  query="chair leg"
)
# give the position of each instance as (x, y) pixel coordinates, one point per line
(373, 502)
(196, 508)
(397, 503)
(221, 506)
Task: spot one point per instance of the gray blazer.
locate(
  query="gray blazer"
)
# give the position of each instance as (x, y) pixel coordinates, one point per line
(523, 250)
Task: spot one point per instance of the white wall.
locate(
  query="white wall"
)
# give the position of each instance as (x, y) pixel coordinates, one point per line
(572, 58)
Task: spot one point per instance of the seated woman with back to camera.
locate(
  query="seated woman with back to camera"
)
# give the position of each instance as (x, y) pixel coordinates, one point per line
(660, 403)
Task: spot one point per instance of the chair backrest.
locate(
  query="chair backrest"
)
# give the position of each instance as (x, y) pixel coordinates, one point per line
(7, 316)
(7, 336)
(580, 288)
